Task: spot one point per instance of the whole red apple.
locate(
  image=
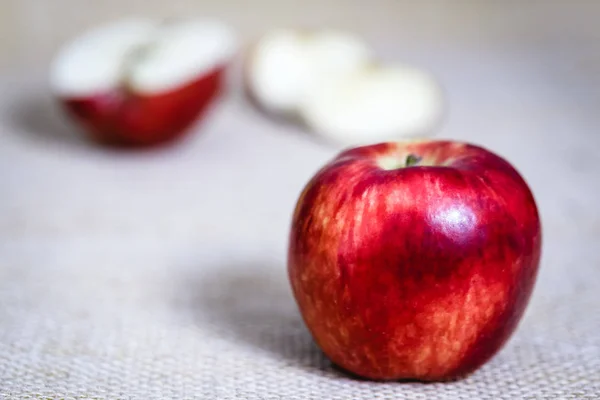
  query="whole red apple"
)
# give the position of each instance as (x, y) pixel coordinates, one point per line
(414, 260)
(137, 82)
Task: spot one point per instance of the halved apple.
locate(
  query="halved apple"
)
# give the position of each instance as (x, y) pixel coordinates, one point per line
(138, 82)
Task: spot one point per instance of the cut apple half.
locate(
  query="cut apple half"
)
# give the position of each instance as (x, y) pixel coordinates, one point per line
(141, 82)
(285, 65)
(374, 103)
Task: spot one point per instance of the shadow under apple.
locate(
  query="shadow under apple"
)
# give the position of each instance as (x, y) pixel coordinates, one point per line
(40, 119)
(252, 305)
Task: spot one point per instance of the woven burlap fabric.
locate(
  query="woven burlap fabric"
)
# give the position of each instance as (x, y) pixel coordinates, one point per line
(161, 274)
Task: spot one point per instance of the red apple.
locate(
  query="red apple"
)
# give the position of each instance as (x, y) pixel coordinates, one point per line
(137, 82)
(414, 260)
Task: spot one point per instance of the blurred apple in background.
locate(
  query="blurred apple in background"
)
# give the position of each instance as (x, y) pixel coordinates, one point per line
(375, 103)
(138, 82)
(414, 260)
(333, 83)
(285, 65)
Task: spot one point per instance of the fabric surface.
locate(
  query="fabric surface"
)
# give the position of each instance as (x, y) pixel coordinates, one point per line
(161, 274)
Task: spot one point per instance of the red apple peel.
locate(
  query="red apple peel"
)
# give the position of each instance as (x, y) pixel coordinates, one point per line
(414, 260)
(123, 118)
(137, 82)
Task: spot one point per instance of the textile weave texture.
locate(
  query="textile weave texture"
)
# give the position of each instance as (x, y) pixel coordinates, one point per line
(161, 274)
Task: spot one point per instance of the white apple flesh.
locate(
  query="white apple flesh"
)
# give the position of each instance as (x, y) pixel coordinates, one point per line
(139, 82)
(375, 103)
(332, 83)
(285, 65)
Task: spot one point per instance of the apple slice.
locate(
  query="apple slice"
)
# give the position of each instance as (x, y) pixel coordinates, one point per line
(138, 82)
(373, 104)
(285, 65)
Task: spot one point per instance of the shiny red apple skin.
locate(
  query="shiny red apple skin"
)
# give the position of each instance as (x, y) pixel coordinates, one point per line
(127, 119)
(418, 273)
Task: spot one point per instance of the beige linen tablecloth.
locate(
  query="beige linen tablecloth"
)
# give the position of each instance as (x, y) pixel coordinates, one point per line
(161, 274)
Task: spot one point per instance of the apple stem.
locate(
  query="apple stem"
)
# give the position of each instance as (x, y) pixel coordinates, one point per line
(412, 160)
